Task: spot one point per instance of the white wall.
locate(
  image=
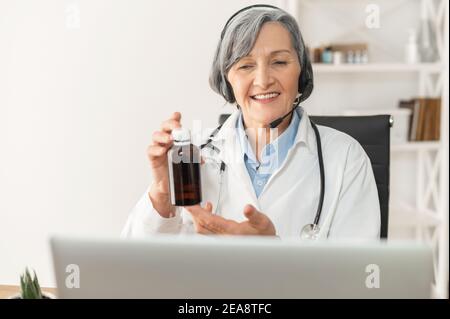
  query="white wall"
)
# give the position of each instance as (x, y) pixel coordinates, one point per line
(78, 106)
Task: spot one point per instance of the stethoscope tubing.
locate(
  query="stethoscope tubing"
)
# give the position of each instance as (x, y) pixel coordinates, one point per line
(321, 168)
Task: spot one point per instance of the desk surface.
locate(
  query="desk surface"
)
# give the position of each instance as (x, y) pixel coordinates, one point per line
(7, 291)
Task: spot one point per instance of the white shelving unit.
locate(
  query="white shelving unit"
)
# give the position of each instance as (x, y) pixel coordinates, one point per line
(428, 214)
(416, 146)
(433, 68)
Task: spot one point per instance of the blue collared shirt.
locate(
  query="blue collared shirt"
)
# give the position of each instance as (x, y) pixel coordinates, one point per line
(272, 155)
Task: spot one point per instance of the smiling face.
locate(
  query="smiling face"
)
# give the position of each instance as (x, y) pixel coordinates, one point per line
(265, 82)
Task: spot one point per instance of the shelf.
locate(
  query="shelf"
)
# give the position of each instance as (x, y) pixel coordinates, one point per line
(377, 67)
(424, 183)
(416, 146)
(404, 215)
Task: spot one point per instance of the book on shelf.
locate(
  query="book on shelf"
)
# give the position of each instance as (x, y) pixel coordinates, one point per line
(425, 120)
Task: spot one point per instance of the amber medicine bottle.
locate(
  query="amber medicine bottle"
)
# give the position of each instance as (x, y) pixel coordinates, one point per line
(184, 170)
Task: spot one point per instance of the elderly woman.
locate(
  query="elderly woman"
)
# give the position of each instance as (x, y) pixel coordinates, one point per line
(272, 181)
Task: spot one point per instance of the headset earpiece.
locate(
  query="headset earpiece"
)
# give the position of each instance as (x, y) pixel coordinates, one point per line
(306, 81)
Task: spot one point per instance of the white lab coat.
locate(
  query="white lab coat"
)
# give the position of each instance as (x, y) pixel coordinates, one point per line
(290, 198)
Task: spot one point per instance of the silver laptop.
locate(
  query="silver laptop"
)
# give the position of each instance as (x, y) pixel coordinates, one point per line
(230, 267)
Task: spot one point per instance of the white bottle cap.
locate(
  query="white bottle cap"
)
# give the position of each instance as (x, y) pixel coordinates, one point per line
(181, 136)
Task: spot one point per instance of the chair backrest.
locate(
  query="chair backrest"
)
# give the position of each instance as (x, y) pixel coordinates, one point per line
(373, 133)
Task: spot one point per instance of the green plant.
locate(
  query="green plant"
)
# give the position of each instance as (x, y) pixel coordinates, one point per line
(29, 288)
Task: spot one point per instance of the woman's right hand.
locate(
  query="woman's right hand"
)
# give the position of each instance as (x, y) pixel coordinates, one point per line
(159, 193)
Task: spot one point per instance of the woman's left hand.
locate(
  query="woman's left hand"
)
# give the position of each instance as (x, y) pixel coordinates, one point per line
(207, 223)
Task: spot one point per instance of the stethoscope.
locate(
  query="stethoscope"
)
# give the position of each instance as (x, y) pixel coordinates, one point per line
(309, 231)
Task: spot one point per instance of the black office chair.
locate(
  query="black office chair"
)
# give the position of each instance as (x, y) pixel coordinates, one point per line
(373, 133)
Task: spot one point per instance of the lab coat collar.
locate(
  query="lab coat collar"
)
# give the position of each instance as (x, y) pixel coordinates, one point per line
(228, 127)
(226, 140)
(305, 133)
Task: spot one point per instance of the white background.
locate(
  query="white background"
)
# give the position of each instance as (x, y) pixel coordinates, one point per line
(78, 106)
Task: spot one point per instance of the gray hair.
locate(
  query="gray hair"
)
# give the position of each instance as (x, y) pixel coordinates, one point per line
(238, 40)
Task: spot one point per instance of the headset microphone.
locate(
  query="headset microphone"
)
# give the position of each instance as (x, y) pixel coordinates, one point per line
(278, 121)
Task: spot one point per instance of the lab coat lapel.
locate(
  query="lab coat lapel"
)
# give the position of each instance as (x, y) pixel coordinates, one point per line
(226, 140)
(230, 152)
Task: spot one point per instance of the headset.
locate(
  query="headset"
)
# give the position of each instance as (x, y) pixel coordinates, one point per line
(305, 88)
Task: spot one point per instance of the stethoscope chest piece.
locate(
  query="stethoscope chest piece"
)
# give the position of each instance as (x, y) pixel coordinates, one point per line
(310, 232)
